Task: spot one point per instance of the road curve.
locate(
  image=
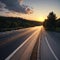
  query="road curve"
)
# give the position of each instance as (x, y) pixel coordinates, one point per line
(49, 48)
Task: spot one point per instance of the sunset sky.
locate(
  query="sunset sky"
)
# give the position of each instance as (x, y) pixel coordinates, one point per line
(29, 9)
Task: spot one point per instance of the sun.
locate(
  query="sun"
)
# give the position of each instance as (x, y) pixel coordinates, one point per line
(41, 19)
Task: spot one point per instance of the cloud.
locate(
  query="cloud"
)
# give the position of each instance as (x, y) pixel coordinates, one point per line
(16, 6)
(2, 7)
(21, 1)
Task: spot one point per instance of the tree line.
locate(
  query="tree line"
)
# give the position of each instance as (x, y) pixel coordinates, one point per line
(15, 23)
(52, 22)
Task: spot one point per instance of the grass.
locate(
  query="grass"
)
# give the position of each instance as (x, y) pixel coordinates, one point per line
(9, 29)
(58, 29)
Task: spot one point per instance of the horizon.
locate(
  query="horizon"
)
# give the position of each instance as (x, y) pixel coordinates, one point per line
(36, 10)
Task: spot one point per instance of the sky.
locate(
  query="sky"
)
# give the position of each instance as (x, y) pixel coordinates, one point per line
(37, 10)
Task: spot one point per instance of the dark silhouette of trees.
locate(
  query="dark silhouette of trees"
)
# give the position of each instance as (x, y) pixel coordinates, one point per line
(50, 22)
(11, 23)
(58, 22)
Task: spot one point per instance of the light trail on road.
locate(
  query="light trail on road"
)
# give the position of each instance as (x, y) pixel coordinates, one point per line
(19, 44)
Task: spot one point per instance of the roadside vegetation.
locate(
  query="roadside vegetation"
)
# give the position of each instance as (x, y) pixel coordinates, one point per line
(13, 23)
(52, 23)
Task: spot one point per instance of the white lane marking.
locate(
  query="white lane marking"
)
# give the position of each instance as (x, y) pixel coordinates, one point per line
(38, 50)
(38, 55)
(10, 56)
(51, 49)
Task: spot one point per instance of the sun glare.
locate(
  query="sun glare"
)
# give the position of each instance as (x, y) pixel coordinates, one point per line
(41, 19)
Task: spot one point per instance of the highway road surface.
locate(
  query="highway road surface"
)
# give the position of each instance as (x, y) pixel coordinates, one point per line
(20, 44)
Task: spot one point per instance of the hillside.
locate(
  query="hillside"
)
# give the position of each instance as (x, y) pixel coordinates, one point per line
(11, 23)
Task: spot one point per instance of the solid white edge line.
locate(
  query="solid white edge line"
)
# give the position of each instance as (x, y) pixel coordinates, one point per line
(51, 49)
(9, 57)
(38, 50)
(39, 46)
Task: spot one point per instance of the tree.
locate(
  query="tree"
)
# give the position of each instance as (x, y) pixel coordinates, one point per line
(50, 22)
(58, 22)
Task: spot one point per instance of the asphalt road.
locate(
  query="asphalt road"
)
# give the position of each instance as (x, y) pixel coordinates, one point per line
(19, 44)
(49, 45)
